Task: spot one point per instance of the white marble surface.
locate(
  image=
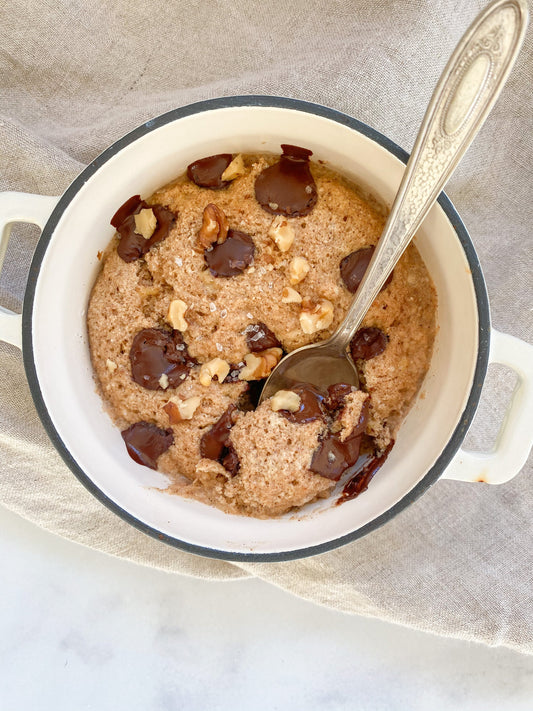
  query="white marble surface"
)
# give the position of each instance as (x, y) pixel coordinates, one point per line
(80, 630)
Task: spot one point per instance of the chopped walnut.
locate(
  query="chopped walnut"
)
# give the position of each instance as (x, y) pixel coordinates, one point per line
(214, 368)
(214, 227)
(175, 315)
(163, 381)
(259, 365)
(179, 410)
(316, 316)
(282, 233)
(290, 296)
(298, 270)
(145, 223)
(111, 365)
(235, 169)
(285, 400)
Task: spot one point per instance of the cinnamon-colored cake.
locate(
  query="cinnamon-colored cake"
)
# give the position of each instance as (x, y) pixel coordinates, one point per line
(206, 284)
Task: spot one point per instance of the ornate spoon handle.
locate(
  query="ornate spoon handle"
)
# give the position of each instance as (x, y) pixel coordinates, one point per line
(468, 88)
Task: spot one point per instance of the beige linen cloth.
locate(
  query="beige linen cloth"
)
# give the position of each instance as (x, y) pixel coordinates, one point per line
(75, 75)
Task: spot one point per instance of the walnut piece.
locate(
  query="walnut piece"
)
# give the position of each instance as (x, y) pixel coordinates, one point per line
(111, 365)
(298, 270)
(216, 367)
(163, 381)
(282, 233)
(235, 169)
(214, 227)
(175, 315)
(179, 410)
(145, 223)
(259, 365)
(316, 316)
(290, 296)
(285, 400)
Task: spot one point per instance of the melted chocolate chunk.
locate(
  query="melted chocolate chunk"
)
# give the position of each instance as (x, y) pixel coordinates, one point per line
(214, 444)
(232, 256)
(145, 442)
(368, 343)
(333, 457)
(259, 337)
(155, 352)
(234, 370)
(337, 394)
(354, 266)
(312, 404)
(231, 461)
(287, 187)
(130, 207)
(207, 172)
(360, 481)
(132, 245)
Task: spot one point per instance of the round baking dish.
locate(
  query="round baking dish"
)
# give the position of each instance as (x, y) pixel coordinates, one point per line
(52, 332)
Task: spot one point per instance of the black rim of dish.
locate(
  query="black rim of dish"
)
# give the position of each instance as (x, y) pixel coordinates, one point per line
(483, 328)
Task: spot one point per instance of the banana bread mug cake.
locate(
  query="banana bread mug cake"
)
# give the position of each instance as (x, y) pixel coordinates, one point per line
(206, 285)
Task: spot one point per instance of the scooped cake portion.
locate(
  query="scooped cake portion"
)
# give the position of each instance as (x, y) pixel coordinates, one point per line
(205, 286)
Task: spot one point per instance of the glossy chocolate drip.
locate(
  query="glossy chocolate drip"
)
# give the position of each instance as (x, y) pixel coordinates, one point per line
(232, 256)
(155, 352)
(207, 172)
(287, 187)
(214, 443)
(360, 481)
(259, 337)
(368, 343)
(354, 266)
(145, 443)
(132, 245)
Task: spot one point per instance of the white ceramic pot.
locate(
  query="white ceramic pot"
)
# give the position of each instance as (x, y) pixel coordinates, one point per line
(53, 335)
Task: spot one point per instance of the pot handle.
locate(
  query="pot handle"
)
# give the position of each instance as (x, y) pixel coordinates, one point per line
(19, 207)
(515, 437)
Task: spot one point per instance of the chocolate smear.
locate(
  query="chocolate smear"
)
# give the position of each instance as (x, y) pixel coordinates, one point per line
(155, 352)
(360, 481)
(354, 266)
(207, 172)
(132, 245)
(215, 443)
(312, 404)
(368, 343)
(288, 187)
(146, 442)
(259, 337)
(232, 256)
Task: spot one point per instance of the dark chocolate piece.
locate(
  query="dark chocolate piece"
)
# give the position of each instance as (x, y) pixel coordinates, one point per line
(231, 461)
(259, 337)
(368, 343)
(354, 266)
(155, 352)
(312, 406)
(232, 256)
(337, 394)
(333, 457)
(133, 245)
(287, 187)
(214, 443)
(207, 172)
(130, 207)
(146, 442)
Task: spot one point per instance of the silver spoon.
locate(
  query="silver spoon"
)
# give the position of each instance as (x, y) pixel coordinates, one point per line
(468, 88)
